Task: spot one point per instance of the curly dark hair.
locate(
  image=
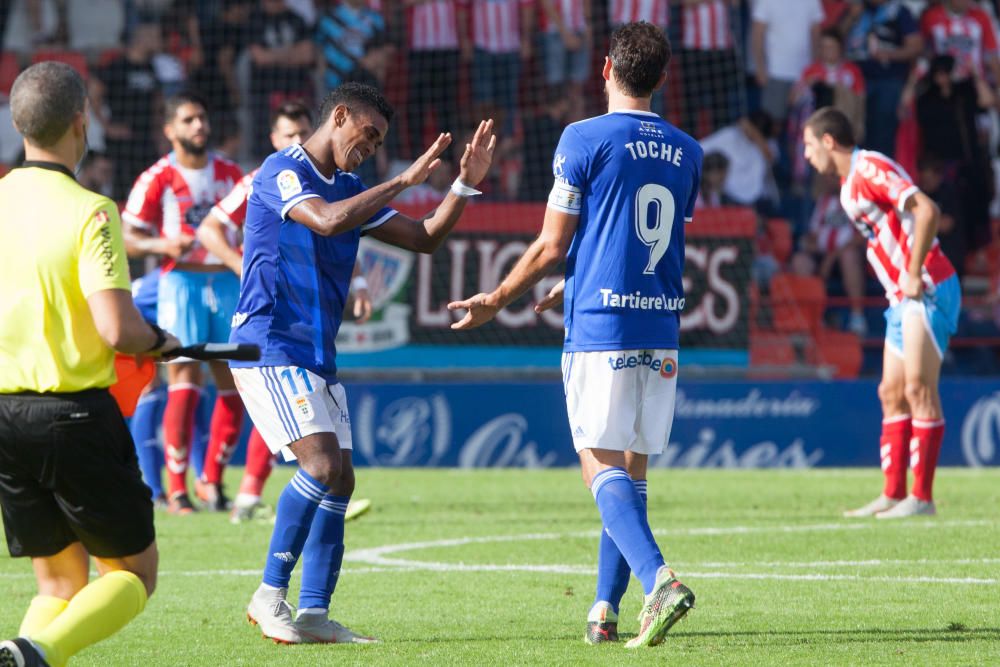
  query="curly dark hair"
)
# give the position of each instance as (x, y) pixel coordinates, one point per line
(356, 94)
(640, 53)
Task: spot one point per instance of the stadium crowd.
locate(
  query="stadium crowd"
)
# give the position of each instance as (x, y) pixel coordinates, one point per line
(918, 78)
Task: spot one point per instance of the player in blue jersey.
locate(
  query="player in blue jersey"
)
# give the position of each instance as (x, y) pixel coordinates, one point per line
(305, 217)
(625, 184)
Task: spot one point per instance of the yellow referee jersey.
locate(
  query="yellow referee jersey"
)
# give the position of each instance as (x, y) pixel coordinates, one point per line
(60, 244)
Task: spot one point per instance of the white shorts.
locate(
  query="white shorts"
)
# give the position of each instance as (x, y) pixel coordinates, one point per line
(620, 400)
(287, 403)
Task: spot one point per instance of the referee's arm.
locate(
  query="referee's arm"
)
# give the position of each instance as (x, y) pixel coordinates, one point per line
(121, 326)
(103, 275)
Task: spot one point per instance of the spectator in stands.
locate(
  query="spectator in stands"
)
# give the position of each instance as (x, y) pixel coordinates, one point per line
(952, 234)
(884, 40)
(96, 173)
(750, 148)
(946, 113)
(94, 25)
(784, 40)
(438, 42)
(542, 130)
(963, 30)
(223, 38)
(709, 64)
(656, 12)
(566, 37)
(352, 44)
(830, 243)
(833, 81)
(281, 56)
(501, 38)
(124, 96)
(714, 173)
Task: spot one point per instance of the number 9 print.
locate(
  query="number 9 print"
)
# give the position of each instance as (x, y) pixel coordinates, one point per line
(654, 221)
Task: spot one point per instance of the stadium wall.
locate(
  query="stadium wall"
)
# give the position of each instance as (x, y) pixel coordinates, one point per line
(717, 424)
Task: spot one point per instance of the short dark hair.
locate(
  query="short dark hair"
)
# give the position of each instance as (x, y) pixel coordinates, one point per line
(356, 94)
(639, 52)
(833, 122)
(44, 100)
(833, 34)
(714, 160)
(292, 110)
(177, 100)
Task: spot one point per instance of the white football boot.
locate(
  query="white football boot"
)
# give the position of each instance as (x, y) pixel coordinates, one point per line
(269, 610)
(318, 629)
(911, 506)
(880, 504)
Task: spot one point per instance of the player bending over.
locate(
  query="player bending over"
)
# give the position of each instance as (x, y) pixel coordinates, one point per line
(625, 184)
(900, 223)
(305, 216)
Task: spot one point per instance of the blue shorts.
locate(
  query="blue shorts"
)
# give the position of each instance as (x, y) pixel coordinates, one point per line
(198, 307)
(145, 294)
(940, 313)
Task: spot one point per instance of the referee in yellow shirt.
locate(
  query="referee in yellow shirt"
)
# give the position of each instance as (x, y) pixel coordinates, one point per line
(70, 485)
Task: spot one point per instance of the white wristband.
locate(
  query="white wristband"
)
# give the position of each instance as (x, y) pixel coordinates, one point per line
(359, 283)
(460, 189)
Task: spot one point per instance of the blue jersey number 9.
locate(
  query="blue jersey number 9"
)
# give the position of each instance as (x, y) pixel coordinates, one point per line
(654, 221)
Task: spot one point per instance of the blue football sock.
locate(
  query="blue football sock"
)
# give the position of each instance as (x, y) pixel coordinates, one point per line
(624, 517)
(202, 428)
(323, 554)
(293, 519)
(145, 427)
(613, 571)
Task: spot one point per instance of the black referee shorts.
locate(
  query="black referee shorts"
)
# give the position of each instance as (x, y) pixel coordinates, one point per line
(68, 473)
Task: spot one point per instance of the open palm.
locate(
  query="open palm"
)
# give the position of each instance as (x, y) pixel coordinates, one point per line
(478, 155)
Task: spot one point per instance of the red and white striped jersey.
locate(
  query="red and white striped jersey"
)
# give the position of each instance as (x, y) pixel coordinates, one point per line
(707, 26)
(571, 13)
(170, 200)
(496, 24)
(968, 37)
(845, 74)
(434, 26)
(830, 225)
(232, 209)
(656, 12)
(874, 195)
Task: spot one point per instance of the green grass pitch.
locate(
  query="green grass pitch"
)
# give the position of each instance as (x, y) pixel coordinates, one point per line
(495, 567)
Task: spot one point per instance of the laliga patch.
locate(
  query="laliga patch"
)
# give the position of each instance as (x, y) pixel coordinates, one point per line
(288, 184)
(303, 407)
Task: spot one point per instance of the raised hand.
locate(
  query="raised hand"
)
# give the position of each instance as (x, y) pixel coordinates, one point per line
(479, 311)
(422, 167)
(478, 155)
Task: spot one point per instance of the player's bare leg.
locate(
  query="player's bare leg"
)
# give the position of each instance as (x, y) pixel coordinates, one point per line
(922, 370)
(59, 578)
(227, 421)
(894, 442)
(184, 381)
